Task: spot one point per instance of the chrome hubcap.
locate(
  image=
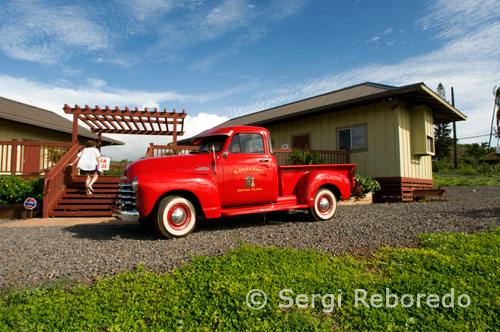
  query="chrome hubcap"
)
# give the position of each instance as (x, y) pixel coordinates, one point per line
(324, 204)
(178, 216)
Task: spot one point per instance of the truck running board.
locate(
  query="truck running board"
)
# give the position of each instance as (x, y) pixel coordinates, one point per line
(288, 202)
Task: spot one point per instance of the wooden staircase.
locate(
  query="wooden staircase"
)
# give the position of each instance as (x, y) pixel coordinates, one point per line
(74, 202)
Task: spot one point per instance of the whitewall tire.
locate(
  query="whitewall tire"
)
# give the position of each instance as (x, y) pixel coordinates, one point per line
(176, 217)
(325, 205)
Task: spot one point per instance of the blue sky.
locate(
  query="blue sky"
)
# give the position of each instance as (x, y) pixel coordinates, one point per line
(225, 58)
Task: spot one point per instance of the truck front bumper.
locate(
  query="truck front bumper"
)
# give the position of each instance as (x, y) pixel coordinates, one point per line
(126, 215)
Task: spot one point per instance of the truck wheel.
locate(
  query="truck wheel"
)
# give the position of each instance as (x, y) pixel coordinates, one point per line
(176, 217)
(325, 205)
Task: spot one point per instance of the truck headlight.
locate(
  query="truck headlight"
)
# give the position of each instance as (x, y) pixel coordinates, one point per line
(135, 184)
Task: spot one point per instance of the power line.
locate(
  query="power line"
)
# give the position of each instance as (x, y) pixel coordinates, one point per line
(476, 136)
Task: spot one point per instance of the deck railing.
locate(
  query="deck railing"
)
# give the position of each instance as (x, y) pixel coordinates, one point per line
(57, 178)
(29, 159)
(282, 155)
(327, 156)
(168, 150)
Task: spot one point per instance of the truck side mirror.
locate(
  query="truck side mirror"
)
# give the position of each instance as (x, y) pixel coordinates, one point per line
(224, 154)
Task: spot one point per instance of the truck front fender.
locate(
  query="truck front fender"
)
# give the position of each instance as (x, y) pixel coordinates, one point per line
(152, 186)
(312, 181)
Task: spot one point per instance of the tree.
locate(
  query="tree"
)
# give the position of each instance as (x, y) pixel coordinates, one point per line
(442, 132)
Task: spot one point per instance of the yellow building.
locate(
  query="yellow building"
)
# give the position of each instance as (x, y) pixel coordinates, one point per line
(389, 131)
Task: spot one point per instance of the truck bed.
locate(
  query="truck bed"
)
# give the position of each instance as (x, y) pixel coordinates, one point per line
(289, 176)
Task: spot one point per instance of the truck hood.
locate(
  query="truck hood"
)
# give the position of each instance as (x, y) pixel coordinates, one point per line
(194, 163)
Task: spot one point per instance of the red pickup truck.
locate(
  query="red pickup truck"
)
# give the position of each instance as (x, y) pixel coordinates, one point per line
(234, 172)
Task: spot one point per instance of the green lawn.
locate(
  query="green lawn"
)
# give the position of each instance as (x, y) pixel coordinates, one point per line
(210, 293)
(450, 180)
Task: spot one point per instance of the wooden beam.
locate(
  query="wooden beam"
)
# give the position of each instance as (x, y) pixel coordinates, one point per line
(74, 134)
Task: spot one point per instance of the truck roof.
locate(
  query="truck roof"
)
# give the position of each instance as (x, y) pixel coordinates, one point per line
(227, 131)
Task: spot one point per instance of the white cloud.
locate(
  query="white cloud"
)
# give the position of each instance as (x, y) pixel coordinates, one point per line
(469, 63)
(136, 146)
(455, 18)
(53, 97)
(150, 9)
(46, 34)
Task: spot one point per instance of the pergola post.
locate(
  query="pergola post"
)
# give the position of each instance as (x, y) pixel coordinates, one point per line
(99, 141)
(175, 132)
(74, 136)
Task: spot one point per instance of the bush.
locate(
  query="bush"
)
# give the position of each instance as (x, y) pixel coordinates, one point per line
(14, 189)
(305, 157)
(210, 294)
(367, 183)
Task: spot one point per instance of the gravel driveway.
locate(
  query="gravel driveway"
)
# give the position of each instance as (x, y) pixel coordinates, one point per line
(32, 256)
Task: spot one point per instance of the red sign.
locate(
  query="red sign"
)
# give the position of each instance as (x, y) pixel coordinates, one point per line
(30, 203)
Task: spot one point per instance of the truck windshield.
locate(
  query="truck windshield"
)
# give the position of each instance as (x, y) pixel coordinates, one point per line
(217, 141)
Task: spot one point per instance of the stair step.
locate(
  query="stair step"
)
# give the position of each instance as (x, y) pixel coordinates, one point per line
(82, 195)
(90, 200)
(101, 179)
(96, 185)
(80, 207)
(81, 214)
(96, 190)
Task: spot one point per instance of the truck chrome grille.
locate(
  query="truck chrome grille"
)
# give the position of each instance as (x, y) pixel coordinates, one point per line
(126, 197)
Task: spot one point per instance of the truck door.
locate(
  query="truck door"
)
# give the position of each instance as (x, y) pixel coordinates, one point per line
(249, 172)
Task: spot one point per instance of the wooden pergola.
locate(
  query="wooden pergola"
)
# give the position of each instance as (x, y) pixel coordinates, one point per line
(126, 121)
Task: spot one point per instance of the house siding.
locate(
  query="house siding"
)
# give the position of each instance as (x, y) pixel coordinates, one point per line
(379, 159)
(13, 130)
(413, 165)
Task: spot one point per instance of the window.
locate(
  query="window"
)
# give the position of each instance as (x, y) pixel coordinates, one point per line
(353, 138)
(271, 144)
(430, 144)
(246, 143)
(212, 142)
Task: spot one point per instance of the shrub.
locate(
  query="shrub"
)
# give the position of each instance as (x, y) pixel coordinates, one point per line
(305, 157)
(367, 183)
(14, 189)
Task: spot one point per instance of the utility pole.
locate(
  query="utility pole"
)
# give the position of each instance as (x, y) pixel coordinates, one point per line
(455, 160)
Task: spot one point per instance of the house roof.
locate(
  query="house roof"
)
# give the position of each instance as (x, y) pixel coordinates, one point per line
(414, 94)
(15, 111)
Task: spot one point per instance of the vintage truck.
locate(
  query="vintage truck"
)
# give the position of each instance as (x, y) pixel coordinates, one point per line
(234, 172)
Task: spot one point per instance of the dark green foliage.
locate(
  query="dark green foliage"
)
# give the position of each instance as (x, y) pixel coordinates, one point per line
(14, 189)
(475, 152)
(472, 168)
(209, 293)
(443, 141)
(305, 157)
(442, 133)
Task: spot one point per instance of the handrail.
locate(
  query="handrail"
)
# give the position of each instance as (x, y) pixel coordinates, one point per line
(55, 180)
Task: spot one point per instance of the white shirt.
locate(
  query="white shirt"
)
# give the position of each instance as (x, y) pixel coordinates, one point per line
(88, 159)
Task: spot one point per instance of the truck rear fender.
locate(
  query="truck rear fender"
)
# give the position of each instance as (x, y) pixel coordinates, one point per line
(203, 192)
(310, 183)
